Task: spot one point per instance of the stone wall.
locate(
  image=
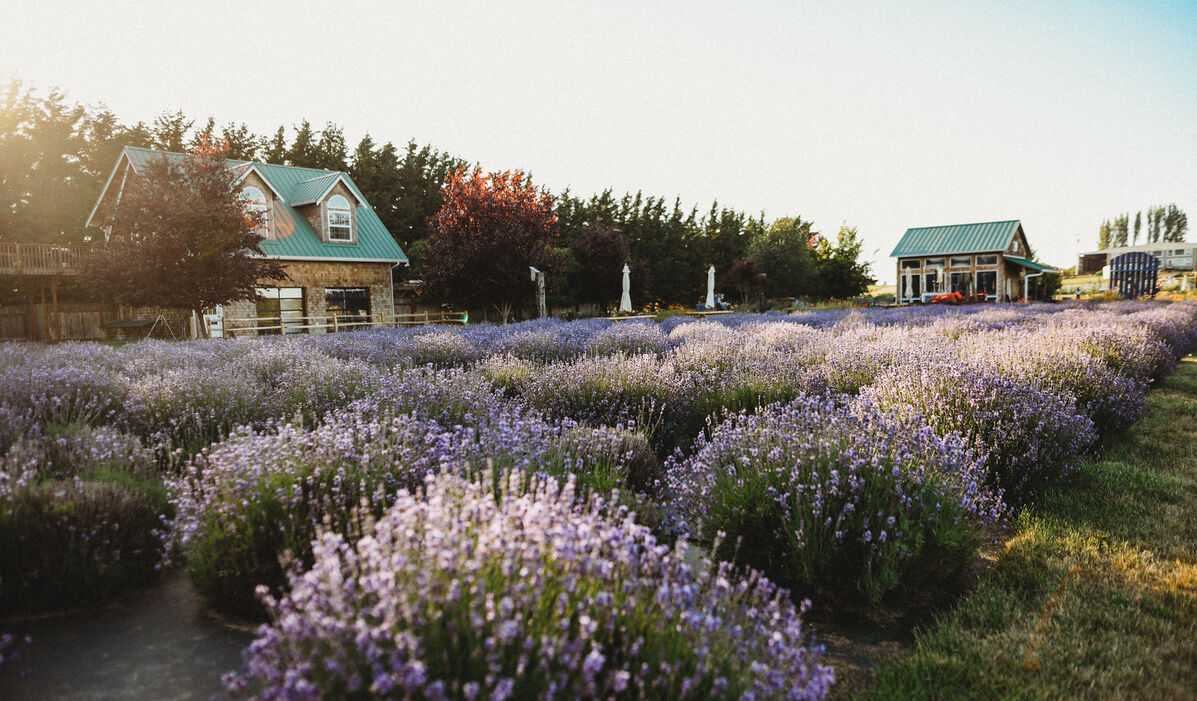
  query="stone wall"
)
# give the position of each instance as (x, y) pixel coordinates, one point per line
(317, 276)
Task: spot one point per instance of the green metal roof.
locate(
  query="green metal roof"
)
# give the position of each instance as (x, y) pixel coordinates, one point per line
(981, 237)
(1038, 267)
(307, 191)
(302, 185)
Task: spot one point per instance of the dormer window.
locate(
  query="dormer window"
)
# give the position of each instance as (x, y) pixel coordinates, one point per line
(340, 219)
(256, 203)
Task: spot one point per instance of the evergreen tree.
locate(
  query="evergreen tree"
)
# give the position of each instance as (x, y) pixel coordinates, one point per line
(1120, 231)
(170, 131)
(330, 152)
(204, 140)
(418, 182)
(303, 149)
(1176, 224)
(1103, 235)
(239, 143)
(1155, 219)
(784, 255)
(1138, 226)
(275, 151)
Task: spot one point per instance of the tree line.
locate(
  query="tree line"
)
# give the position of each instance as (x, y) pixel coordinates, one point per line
(55, 156)
(1163, 224)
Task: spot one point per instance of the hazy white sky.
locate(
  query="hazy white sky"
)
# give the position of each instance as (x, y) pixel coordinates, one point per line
(882, 116)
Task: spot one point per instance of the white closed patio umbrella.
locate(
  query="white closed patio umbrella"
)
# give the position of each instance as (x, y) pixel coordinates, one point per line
(710, 304)
(625, 302)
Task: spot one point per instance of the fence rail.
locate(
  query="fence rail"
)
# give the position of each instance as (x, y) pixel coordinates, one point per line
(40, 259)
(254, 325)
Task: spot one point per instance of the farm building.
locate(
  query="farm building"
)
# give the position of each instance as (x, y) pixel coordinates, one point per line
(986, 261)
(336, 252)
(1172, 255)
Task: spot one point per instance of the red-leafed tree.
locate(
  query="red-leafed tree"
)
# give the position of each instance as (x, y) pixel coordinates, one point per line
(181, 238)
(488, 231)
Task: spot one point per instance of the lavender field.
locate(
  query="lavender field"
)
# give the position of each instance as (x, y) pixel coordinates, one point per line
(589, 509)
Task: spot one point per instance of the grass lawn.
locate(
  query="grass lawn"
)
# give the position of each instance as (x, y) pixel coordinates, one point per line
(1094, 595)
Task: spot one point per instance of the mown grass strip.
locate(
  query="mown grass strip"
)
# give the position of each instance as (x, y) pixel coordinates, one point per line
(1095, 594)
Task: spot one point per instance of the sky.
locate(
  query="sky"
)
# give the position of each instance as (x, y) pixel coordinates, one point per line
(877, 115)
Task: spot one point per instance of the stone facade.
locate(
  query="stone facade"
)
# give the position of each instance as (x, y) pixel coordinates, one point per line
(317, 276)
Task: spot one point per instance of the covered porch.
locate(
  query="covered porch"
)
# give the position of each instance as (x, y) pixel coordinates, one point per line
(981, 278)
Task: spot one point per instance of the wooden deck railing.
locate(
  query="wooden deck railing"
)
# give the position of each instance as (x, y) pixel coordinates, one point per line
(40, 259)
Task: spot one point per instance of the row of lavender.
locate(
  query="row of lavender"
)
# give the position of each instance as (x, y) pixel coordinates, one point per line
(890, 443)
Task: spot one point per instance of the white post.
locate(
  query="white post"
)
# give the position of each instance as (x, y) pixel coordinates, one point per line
(538, 278)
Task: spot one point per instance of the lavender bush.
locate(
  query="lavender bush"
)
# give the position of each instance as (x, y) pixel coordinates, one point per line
(1029, 437)
(246, 501)
(829, 494)
(81, 517)
(470, 593)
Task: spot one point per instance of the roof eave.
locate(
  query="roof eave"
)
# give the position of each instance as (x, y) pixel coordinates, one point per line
(107, 184)
(337, 259)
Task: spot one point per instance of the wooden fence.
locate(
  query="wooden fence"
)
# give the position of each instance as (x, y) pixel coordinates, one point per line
(259, 325)
(88, 322)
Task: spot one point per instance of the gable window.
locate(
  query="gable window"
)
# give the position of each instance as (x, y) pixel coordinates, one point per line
(258, 205)
(340, 219)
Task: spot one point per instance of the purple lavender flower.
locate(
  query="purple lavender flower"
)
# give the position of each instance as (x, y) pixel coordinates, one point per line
(439, 578)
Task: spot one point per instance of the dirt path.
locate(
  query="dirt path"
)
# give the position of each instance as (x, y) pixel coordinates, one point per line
(153, 644)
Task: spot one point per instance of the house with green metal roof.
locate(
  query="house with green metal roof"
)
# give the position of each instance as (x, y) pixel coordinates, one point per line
(983, 261)
(336, 252)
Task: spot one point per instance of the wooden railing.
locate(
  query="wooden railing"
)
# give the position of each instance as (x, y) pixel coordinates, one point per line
(254, 325)
(40, 259)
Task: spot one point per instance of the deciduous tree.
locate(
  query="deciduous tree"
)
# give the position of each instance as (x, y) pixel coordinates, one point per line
(841, 273)
(489, 229)
(181, 238)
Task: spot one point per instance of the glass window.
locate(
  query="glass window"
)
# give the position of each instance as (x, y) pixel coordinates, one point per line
(962, 283)
(986, 260)
(962, 262)
(340, 219)
(258, 204)
(1178, 252)
(932, 282)
(911, 263)
(350, 306)
(911, 291)
(280, 310)
(987, 282)
(931, 262)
